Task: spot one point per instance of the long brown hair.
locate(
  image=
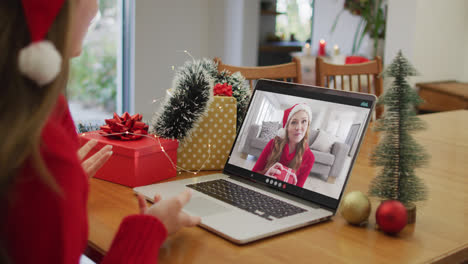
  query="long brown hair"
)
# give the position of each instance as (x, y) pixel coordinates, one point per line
(25, 106)
(278, 147)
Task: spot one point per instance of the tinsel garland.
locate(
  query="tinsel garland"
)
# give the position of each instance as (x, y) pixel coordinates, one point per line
(398, 153)
(191, 95)
(187, 104)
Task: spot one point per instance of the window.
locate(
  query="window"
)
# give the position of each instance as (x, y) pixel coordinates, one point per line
(297, 20)
(267, 112)
(98, 84)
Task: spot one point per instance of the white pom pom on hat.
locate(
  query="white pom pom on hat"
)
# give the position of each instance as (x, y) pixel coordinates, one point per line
(40, 61)
(281, 132)
(288, 113)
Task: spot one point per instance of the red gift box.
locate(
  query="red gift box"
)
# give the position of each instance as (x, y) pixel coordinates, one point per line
(137, 162)
(355, 59)
(287, 175)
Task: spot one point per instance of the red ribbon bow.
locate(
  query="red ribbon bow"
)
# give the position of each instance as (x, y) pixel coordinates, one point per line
(223, 89)
(128, 127)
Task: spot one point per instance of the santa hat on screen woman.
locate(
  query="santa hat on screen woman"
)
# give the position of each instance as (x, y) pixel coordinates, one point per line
(288, 113)
(40, 61)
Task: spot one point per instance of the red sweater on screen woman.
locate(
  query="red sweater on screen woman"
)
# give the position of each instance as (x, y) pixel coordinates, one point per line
(302, 173)
(42, 226)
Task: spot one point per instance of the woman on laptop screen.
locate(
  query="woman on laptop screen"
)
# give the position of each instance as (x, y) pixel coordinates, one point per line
(287, 157)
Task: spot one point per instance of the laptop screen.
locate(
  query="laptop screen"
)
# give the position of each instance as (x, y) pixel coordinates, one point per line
(301, 139)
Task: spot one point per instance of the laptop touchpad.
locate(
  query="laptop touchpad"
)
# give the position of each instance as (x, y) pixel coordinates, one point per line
(201, 206)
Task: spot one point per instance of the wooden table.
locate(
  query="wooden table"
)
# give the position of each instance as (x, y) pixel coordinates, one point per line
(439, 235)
(443, 96)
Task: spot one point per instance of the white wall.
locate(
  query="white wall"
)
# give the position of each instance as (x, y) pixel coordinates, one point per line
(464, 77)
(432, 34)
(163, 29)
(251, 36)
(401, 29)
(440, 39)
(239, 36)
(205, 28)
(233, 42)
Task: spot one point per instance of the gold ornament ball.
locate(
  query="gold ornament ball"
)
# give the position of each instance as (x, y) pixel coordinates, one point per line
(355, 208)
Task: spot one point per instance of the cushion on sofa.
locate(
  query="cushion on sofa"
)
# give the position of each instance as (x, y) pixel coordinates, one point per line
(324, 158)
(259, 143)
(323, 142)
(269, 130)
(313, 133)
(321, 171)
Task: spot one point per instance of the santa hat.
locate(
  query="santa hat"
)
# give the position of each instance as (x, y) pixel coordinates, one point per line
(40, 61)
(288, 113)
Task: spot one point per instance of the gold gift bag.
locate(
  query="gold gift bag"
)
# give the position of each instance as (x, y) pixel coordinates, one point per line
(210, 143)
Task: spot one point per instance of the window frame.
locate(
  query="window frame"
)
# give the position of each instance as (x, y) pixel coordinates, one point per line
(126, 64)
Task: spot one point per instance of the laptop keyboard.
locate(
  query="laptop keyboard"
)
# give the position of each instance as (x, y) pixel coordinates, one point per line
(246, 199)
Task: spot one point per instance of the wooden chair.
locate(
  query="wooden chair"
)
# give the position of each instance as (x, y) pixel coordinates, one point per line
(327, 73)
(282, 72)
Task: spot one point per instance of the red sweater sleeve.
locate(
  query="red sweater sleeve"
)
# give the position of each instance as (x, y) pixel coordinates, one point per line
(137, 241)
(42, 226)
(308, 160)
(262, 160)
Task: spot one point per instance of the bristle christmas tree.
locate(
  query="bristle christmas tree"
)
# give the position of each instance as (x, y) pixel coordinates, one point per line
(398, 153)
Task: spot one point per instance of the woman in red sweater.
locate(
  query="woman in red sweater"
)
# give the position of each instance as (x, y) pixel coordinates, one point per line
(43, 181)
(290, 148)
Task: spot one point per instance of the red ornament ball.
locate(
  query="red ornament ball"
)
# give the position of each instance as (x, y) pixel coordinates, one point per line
(391, 216)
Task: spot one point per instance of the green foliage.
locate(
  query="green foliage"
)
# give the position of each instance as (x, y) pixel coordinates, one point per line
(105, 5)
(398, 153)
(87, 127)
(293, 23)
(93, 75)
(372, 21)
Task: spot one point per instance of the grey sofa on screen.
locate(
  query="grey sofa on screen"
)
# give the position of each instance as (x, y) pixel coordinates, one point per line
(327, 164)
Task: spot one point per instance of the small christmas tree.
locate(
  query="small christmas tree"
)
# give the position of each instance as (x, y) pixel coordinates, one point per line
(398, 153)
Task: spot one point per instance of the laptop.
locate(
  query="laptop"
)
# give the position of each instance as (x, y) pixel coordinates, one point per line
(242, 205)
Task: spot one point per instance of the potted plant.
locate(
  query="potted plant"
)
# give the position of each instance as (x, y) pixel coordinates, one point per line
(372, 22)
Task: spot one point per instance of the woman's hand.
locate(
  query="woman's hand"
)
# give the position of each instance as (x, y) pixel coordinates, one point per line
(95, 162)
(169, 211)
(274, 170)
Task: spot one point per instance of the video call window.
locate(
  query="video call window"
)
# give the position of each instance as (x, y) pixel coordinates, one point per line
(329, 132)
